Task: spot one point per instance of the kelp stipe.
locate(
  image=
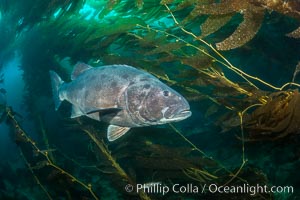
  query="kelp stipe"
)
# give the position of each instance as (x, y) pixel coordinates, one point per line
(122, 178)
(175, 53)
(162, 163)
(41, 159)
(261, 100)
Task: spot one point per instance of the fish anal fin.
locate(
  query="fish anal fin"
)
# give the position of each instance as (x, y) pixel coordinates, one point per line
(114, 132)
(79, 68)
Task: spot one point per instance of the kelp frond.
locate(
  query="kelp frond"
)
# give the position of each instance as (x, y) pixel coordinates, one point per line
(213, 23)
(201, 176)
(246, 30)
(220, 14)
(278, 118)
(46, 160)
(295, 33)
(104, 150)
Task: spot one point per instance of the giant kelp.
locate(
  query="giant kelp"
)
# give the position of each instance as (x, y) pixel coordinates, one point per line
(18, 17)
(28, 13)
(221, 12)
(161, 38)
(278, 118)
(144, 159)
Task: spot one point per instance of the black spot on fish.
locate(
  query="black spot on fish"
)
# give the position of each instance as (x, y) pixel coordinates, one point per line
(113, 84)
(80, 85)
(86, 94)
(147, 86)
(125, 76)
(144, 79)
(103, 76)
(93, 77)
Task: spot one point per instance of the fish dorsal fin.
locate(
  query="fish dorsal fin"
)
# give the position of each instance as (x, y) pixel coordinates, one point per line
(114, 132)
(79, 68)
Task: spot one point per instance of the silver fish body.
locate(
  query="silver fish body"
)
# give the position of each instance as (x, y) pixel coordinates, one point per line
(120, 95)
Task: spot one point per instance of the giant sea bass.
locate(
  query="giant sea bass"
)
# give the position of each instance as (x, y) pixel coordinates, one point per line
(120, 95)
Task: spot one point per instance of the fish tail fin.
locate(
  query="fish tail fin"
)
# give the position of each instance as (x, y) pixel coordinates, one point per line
(56, 83)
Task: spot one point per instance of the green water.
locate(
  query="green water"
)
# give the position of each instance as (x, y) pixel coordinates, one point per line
(241, 142)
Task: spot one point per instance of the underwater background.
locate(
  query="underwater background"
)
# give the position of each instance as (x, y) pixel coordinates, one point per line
(235, 61)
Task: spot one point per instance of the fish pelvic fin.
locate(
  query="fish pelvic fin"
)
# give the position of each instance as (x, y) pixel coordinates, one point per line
(114, 132)
(56, 83)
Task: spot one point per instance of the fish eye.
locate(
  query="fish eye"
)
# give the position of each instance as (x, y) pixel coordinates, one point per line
(166, 93)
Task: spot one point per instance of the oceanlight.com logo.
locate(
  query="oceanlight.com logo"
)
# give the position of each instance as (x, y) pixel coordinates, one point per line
(161, 189)
(249, 189)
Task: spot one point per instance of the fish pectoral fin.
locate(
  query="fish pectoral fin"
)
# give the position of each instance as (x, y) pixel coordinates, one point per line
(76, 112)
(94, 116)
(97, 114)
(114, 132)
(101, 112)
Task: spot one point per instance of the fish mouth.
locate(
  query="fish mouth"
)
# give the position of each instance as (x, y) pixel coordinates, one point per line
(182, 115)
(177, 117)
